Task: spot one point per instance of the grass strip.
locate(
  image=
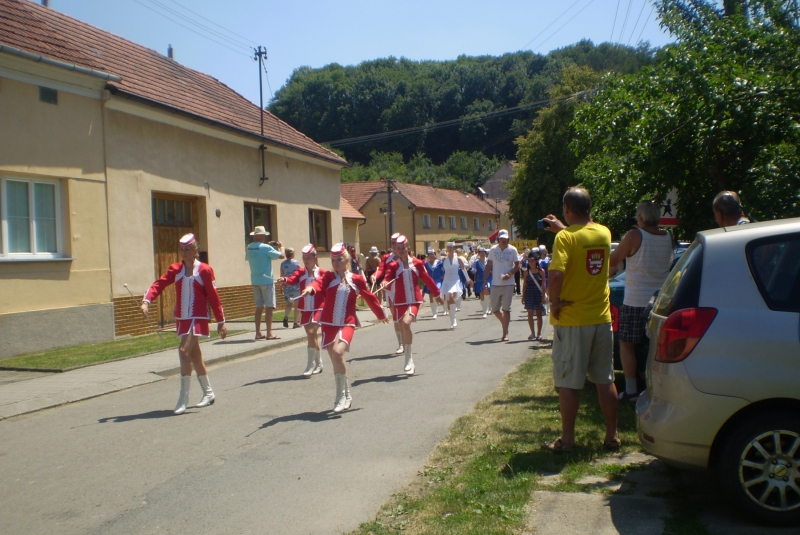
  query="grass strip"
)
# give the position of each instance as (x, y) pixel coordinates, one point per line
(81, 355)
(479, 480)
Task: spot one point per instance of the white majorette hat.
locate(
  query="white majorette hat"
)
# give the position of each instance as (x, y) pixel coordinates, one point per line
(187, 239)
(442, 253)
(395, 236)
(338, 250)
(431, 251)
(259, 231)
(451, 244)
(373, 249)
(401, 239)
(542, 248)
(502, 234)
(309, 249)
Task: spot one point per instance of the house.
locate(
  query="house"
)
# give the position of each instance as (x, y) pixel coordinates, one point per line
(109, 152)
(428, 216)
(496, 186)
(352, 220)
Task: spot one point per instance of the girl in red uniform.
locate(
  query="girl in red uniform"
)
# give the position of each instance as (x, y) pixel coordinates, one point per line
(379, 276)
(402, 279)
(338, 318)
(195, 290)
(310, 307)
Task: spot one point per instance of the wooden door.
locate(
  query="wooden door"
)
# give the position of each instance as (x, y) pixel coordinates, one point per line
(173, 216)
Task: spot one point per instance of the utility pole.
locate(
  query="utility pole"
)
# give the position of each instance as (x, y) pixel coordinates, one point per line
(389, 190)
(260, 56)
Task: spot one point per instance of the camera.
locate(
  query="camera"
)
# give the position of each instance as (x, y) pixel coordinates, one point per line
(543, 223)
(629, 221)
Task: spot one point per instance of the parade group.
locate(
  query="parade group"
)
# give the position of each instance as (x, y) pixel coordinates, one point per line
(326, 300)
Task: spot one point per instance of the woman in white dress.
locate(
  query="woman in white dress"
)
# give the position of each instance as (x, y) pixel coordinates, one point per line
(451, 285)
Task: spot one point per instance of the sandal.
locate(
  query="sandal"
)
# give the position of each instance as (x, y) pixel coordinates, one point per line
(262, 337)
(557, 446)
(273, 337)
(612, 445)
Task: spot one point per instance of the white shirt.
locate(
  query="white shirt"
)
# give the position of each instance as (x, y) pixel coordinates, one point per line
(502, 262)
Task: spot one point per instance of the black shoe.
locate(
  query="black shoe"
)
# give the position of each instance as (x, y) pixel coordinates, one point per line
(631, 398)
(286, 322)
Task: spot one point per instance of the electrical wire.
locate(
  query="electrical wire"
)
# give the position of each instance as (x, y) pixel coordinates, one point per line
(548, 26)
(625, 22)
(251, 44)
(613, 26)
(652, 9)
(644, 4)
(562, 26)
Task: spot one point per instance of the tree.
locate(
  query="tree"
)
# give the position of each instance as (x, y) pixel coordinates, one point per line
(719, 111)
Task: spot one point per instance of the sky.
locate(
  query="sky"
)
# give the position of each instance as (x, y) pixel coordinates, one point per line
(315, 33)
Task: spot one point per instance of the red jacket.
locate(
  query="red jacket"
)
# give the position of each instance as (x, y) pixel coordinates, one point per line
(340, 298)
(381, 271)
(193, 293)
(405, 289)
(307, 303)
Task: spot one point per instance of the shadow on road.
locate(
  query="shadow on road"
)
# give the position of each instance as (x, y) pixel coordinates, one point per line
(382, 379)
(376, 357)
(278, 380)
(434, 331)
(313, 417)
(143, 416)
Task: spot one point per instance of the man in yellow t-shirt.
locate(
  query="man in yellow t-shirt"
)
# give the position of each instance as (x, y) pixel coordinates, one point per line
(580, 313)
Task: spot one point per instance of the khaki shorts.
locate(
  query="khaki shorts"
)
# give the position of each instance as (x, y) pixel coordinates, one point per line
(500, 297)
(581, 352)
(264, 296)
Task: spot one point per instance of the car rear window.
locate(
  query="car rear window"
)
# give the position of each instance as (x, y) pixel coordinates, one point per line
(682, 287)
(775, 265)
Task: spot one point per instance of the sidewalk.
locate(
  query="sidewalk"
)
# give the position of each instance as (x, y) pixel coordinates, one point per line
(28, 392)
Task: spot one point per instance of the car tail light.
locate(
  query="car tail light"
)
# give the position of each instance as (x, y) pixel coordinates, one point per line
(614, 318)
(681, 332)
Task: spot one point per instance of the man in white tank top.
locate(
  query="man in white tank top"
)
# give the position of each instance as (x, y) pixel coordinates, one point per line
(648, 253)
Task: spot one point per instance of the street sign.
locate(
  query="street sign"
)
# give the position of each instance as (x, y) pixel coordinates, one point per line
(669, 210)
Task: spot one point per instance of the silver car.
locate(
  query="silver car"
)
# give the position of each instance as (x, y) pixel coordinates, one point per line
(723, 369)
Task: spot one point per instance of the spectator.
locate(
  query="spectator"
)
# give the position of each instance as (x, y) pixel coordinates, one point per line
(355, 265)
(728, 209)
(648, 252)
(260, 256)
(534, 292)
(502, 265)
(372, 263)
(290, 293)
(580, 313)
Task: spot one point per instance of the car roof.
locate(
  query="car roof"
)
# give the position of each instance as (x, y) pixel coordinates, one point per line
(756, 230)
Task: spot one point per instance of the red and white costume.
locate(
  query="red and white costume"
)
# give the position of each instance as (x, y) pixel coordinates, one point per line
(405, 291)
(194, 293)
(310, 306)
(339, 311)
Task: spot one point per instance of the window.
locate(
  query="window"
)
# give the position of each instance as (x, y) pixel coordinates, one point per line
(775, 265)
(318, 229)
(47, 95)
(441, 221)
(256, 215)
(452, 221)
(172, 212)
(463, 223)
(491, 224)
(476, 223)
(426, 221)
(31, 217)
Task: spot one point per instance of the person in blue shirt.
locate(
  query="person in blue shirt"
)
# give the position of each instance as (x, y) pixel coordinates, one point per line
(260, 256)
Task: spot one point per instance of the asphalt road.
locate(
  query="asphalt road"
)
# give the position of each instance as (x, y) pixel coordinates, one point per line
(269, 456)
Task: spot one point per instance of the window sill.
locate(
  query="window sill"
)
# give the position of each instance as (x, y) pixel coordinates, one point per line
(20, 260)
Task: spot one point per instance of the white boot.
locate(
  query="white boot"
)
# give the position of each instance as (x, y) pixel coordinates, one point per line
(409, 368)
(485, 306)
(453, 321)
(311, 362)
(208, 394)
(183, 398)
(341, 386)
(400, 349)
(348, 399)
(458, 302)
(435, 309)
(317, 362)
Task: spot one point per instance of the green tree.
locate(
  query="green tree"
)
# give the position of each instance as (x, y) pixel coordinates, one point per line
(719, 111)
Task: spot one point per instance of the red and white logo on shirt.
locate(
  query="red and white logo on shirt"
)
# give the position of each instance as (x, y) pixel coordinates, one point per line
(594, 260)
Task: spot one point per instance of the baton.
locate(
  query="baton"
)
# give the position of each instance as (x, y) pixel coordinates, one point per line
(149, 321)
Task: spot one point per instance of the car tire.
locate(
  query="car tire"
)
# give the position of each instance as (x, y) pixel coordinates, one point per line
(759, 466)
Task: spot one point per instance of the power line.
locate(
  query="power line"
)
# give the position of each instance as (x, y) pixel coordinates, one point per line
(570, 20)
(548, 26)
(625, 22)
(613, 26)
(244, 39)
(191, 29)
(203, 27)
(644, 3)
(652, 9)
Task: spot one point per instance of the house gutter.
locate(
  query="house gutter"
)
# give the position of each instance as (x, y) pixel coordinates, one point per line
(59, 64)
(136, 98)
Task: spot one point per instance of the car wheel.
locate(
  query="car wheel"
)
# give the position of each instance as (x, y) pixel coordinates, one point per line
(760, 467)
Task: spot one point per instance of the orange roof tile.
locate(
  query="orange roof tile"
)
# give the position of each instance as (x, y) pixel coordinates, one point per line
(426, 197)
(145, 74)
(348, 212)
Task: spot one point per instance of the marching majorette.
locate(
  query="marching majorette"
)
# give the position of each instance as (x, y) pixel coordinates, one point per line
(310, 307)
(431, 265)
(403, 277)
(378, 277)
(338, 317)
(451, 285)
(482, 283)
(195, 290)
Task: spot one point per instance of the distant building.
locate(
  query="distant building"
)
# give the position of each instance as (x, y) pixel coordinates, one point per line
(497, 185)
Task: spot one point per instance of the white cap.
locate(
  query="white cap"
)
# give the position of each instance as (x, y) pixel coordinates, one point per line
(401, 239)
(502, 234)
(309, 249)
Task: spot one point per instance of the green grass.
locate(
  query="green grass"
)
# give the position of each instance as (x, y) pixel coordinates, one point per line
(479, 480)
(277, 317)
(72, 356)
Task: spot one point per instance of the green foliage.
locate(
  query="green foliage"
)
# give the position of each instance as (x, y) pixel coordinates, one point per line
(719, 111)
(388, 94)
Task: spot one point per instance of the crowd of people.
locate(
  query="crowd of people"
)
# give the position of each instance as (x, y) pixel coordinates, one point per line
(573, 280)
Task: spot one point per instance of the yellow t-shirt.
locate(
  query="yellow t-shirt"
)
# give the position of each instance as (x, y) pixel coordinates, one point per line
(582, 252)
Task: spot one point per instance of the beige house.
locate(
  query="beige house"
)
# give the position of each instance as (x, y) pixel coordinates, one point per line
(109, 152)
(352, 220)
(428, 216)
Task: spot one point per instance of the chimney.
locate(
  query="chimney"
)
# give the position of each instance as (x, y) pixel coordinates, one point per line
(46, 3)
(170, 54)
